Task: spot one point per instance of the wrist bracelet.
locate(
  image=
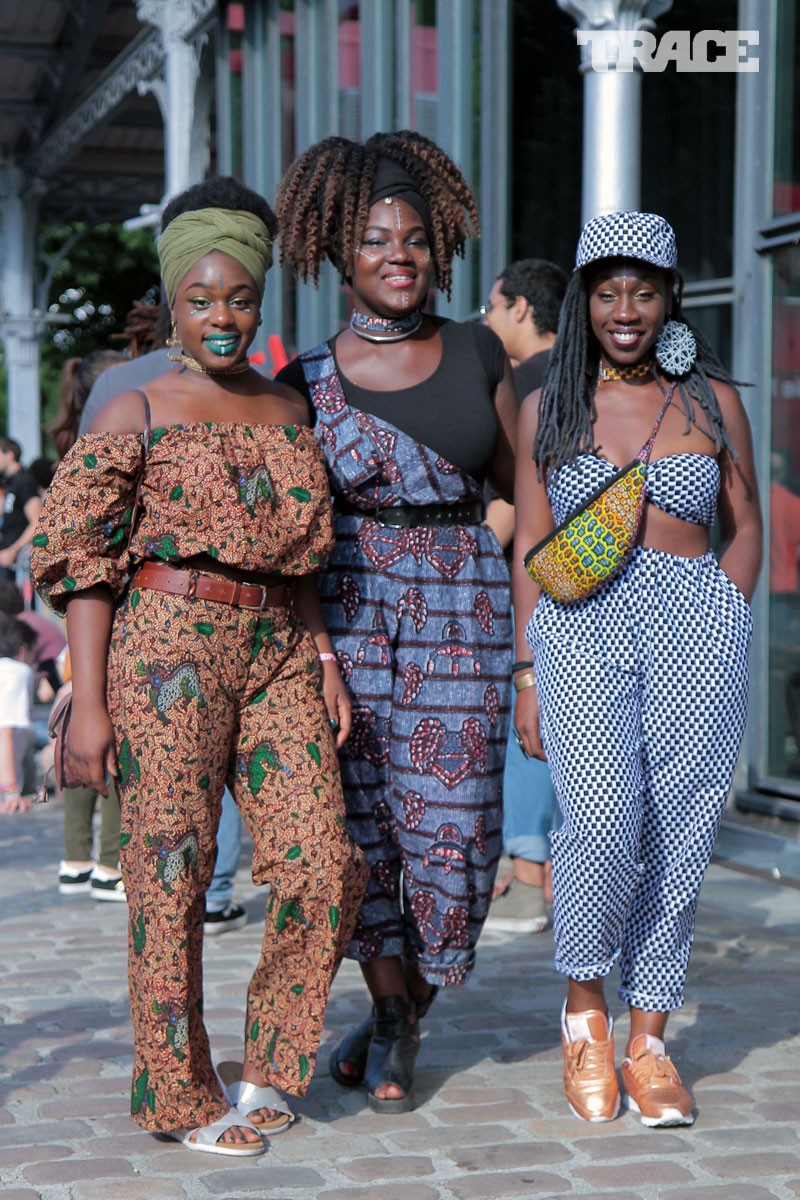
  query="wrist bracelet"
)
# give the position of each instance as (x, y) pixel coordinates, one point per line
(326, 656)
(524, 681)
(522, 665)
(11, 790)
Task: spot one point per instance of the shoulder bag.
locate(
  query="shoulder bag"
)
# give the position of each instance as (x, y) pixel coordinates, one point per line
(592, 545)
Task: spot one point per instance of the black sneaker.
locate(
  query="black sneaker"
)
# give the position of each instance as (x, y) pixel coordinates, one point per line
(232, 916)
(107, 887)
(72, 883)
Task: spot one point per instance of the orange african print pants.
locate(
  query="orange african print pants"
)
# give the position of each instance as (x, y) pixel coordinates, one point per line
(200, 693)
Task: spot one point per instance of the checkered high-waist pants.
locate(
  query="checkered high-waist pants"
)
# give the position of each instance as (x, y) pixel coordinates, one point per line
(643, 694)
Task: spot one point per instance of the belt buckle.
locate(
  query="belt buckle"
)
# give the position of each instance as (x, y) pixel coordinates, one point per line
(191, 587)
(262, 602)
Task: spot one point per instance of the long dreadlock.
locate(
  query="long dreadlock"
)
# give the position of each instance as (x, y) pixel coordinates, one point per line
(323, 201)
(566, 407)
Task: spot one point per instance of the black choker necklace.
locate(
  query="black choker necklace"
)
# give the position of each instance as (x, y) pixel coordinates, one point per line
(385, 329)
(187, 360)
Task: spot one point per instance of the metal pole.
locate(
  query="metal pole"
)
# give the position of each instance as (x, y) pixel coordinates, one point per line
(21, 326)
(612, 102)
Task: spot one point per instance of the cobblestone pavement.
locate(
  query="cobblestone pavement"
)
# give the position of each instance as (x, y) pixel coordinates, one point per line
(491, 1123)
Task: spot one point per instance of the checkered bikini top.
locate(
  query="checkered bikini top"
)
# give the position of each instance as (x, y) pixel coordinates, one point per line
(682, 485)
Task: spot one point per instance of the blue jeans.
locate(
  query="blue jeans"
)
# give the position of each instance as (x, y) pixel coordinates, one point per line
(530, 810)
(229, 841)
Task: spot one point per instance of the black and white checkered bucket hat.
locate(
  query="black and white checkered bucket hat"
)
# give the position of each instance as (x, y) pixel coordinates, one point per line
(641, 235)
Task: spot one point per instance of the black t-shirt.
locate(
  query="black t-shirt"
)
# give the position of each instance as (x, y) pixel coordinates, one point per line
(452, 411)
(531, 374)
(20, 488)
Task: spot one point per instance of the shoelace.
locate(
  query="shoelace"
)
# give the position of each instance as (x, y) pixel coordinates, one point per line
(647, 1065)
(587, 1056)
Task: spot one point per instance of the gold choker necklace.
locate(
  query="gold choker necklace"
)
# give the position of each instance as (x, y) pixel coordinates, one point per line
(635, 372)
(186, 360)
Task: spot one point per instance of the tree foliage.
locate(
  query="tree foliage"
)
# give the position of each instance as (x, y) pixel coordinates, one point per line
(95, 283)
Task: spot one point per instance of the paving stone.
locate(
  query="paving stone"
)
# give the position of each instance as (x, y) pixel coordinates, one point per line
(389, 1167)
(369, 1122)
(324, 1149)
(730, 1078)
(639, 1174)
(85, 1107)
(279, 1179)
(34, 1133)
(140, 1189)
(730, 1191)
(408, 1191)
(476, 1113)
(720, 1096)
(466, 1095)
(100, 1087)
(509, 1155)
(19, 1155)
(779, 1112)
(439, 1136)
(752, 1165)
(500, 1184)
(647, 1143)
(743, 1139)
(68, 1170)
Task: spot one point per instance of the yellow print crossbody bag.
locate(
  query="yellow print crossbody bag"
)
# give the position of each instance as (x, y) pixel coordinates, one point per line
(592, 545)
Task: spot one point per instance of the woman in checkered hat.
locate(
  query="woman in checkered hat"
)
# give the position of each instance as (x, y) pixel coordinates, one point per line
(637, 694)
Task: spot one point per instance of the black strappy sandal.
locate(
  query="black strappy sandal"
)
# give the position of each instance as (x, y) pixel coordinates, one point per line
(392, 1053)
(354, 1049)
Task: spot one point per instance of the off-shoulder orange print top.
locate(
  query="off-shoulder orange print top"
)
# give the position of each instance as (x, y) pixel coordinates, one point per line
(251, 496)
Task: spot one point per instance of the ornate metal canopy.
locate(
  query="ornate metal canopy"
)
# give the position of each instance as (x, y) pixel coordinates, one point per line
(76, 115)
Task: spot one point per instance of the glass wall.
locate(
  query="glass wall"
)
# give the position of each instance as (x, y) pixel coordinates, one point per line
(783, 743)
(786, 152)
(293, 71)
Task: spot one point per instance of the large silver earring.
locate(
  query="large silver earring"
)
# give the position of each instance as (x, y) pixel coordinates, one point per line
(676, 348)
(173, 341)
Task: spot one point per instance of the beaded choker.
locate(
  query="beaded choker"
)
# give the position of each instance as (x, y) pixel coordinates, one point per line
(385, 329)
(187, 360)
(635, 372)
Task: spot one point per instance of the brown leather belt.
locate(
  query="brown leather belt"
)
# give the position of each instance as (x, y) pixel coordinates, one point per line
(158, 577)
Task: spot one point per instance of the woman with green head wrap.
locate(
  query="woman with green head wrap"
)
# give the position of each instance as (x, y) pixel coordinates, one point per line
(184, 558)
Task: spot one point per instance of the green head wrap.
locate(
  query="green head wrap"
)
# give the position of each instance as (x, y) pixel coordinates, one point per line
(192, 235)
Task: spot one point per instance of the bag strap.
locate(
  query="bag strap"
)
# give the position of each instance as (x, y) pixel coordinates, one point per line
(145, 443)
(644, 453)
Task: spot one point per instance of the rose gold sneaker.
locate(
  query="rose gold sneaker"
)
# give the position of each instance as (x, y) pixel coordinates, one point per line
(653, 1086)
(590, 1081)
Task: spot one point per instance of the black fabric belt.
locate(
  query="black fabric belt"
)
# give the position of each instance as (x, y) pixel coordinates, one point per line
(408, 516)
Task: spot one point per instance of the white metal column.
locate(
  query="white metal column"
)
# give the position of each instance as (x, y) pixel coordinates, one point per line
(317, 109)
(186, 140)
(611, 105)
(495, 133)
(21, 326)
(262, 130)
(454, 132)
(377, 66)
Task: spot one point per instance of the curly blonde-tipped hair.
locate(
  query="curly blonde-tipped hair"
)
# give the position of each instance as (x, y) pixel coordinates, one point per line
(324, 201)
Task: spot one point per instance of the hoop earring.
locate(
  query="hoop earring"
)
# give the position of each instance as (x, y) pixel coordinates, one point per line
(676, 348)
(172, 341)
